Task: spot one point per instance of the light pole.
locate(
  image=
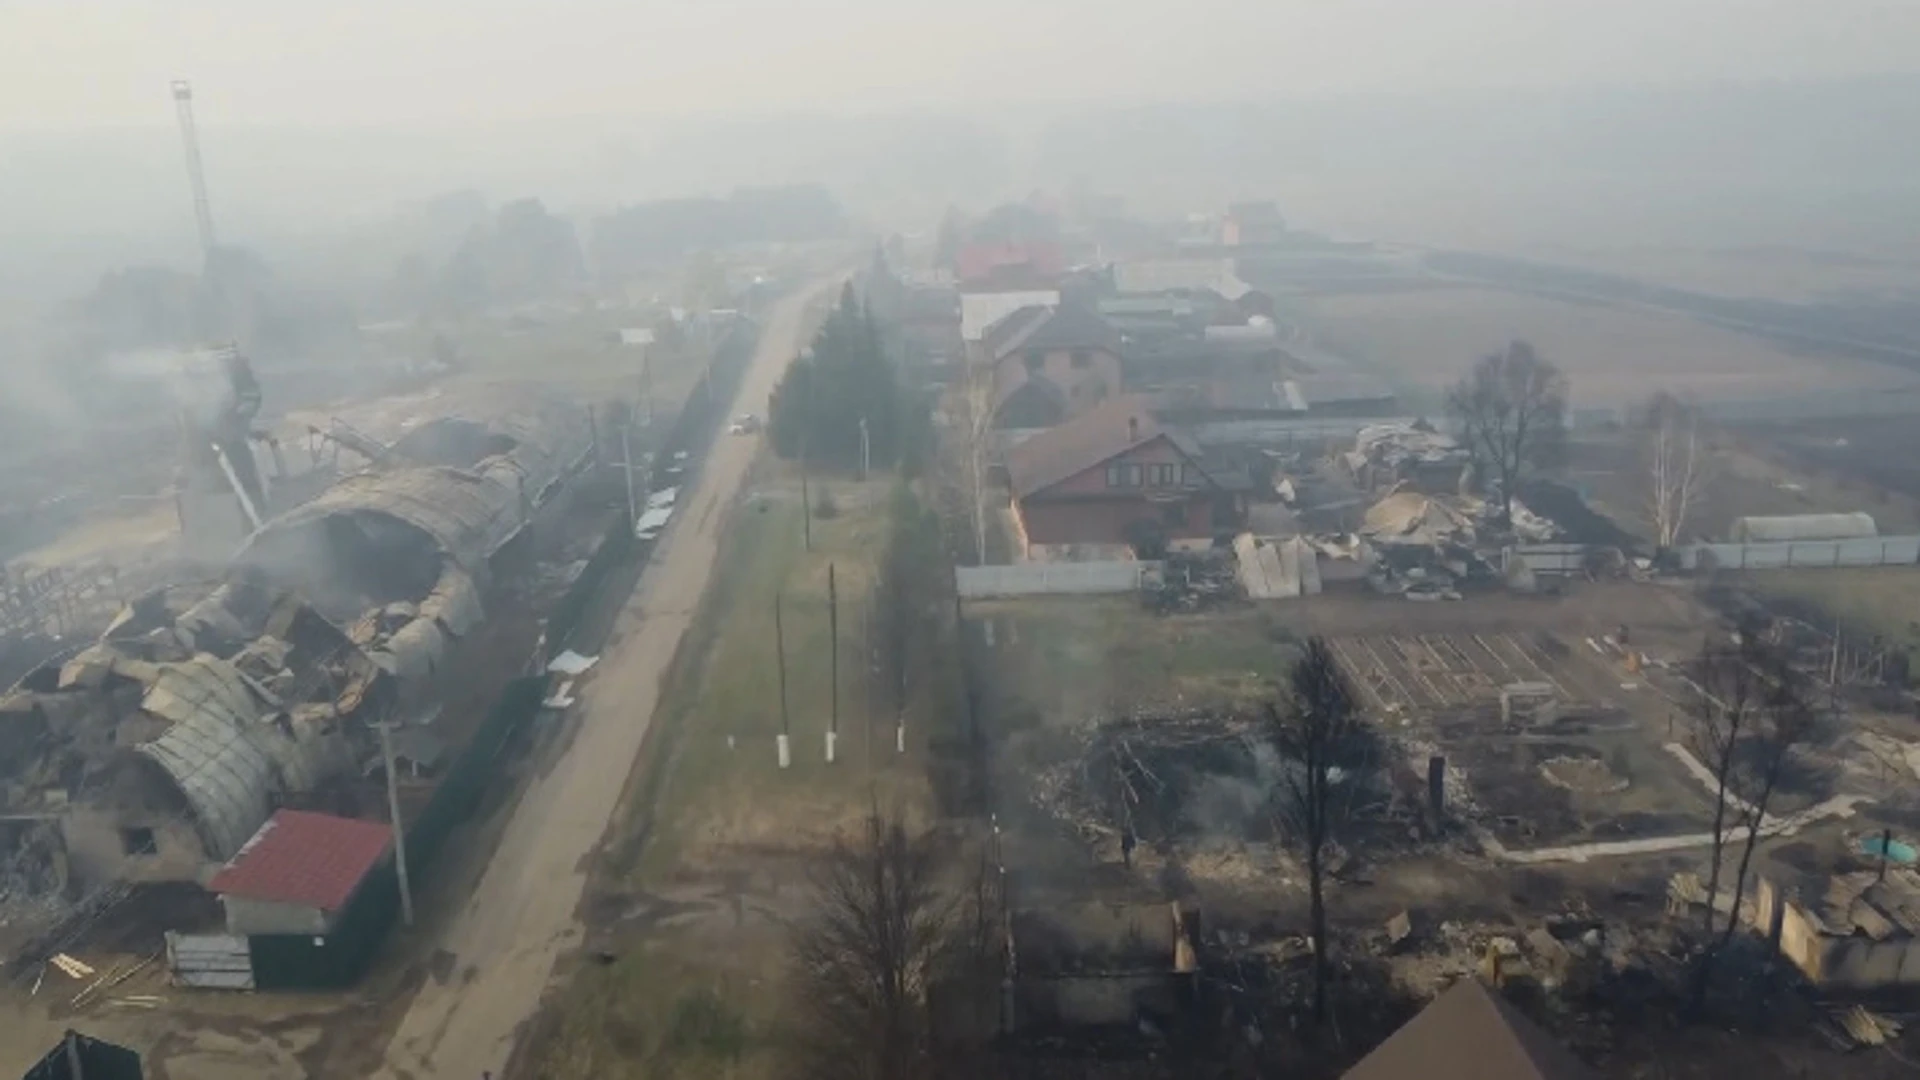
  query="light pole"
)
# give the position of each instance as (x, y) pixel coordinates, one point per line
(399, 827)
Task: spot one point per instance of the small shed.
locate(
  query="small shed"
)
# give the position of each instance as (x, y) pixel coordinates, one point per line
(1760, 530)
(299, 872)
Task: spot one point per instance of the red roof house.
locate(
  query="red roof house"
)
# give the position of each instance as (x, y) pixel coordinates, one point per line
(1112, 477)
(298, 872)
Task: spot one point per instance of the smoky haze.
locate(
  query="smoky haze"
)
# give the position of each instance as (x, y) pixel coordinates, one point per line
(1504, 126)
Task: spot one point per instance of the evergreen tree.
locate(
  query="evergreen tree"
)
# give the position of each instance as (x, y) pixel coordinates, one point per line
(843, 379)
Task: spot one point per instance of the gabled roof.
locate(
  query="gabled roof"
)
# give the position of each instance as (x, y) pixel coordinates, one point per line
(1113, 428)
(298, 857)
(1063, 327)
(1470, 1033)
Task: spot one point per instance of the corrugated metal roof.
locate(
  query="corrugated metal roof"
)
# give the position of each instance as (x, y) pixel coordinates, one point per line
(454, 602)
(297, 857)
(231, 747)
(468, 515)
(411, 652)
(226, 778)
(1804, 527)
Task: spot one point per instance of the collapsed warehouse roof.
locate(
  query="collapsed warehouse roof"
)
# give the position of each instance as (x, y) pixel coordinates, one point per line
(224, 699)
(234, 692)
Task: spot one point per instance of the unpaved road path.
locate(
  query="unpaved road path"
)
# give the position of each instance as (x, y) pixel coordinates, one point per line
(521, 918)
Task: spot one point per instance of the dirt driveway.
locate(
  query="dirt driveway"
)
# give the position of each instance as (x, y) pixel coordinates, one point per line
(501, 948)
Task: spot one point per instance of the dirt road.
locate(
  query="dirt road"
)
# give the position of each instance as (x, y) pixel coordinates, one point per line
(521, 918)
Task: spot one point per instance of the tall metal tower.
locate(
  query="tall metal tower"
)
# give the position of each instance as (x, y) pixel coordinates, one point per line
(190, 139)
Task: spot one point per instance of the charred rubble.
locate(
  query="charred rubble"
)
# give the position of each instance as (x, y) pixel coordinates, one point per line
(162, 747)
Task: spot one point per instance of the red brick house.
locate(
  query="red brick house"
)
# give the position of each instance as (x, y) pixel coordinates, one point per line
(1049, 364)
(1110, 476)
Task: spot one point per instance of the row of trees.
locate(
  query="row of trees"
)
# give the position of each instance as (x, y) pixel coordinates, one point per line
(841, 404)
(1511, 409)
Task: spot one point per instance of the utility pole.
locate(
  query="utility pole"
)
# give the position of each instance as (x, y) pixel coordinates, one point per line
(872, 671)
(833, 662)
(399, 827)
(806, 431)
(646, 382)
(806, 500)
(626, 466)
(780, 648)
(976, 432)
(196, 174)
(866, 450)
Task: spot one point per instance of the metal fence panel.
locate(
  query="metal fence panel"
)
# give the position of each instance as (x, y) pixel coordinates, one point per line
(1804, 554)
(210, 961)
(337, 960)
(1052, 579)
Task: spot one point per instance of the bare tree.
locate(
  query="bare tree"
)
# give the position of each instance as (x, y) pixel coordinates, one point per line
(867, 956)
(1512, 411)
(1325, 747)
(1751, 710)
(1675, 469)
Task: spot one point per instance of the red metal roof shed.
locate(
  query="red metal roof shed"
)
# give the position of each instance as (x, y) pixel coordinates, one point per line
(303, 858)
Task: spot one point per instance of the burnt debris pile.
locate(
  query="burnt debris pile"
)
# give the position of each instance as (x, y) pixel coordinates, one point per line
(1186, 776)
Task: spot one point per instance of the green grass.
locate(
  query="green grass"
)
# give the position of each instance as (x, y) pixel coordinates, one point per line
(703, 997)
(1067, 657)
(666, 1010)
(1883, 600)
(721, 784)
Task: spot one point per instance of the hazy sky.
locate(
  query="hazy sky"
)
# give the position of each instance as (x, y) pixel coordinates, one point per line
(68, 63)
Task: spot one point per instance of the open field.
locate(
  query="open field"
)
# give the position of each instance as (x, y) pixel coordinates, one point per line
(1743, 476)
(1791, 275)
(1068, 658)
(1879, 600)
(1878, 453)
(689, 907)
(722, 788)
(1428, 338)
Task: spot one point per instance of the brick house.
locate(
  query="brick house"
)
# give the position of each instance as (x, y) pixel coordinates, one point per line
(1112, 475)
(1050, 364)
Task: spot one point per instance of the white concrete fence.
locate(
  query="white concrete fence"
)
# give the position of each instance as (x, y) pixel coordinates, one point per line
(1804, 554)
(1053, 579)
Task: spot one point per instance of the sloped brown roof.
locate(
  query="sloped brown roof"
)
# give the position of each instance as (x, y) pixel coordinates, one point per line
(1470, 1033)
(1087, 440)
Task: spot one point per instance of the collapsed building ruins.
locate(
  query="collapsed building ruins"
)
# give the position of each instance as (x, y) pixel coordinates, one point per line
(155, 752)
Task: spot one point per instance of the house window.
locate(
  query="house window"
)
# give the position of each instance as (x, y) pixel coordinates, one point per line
(1123, 476)
(138, 842)
(1160, 475)
(1082, 357)
(1035, 361)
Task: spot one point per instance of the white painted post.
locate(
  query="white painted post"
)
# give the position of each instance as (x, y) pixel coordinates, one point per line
(831, 736)
(900, 738)
(786, 756)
